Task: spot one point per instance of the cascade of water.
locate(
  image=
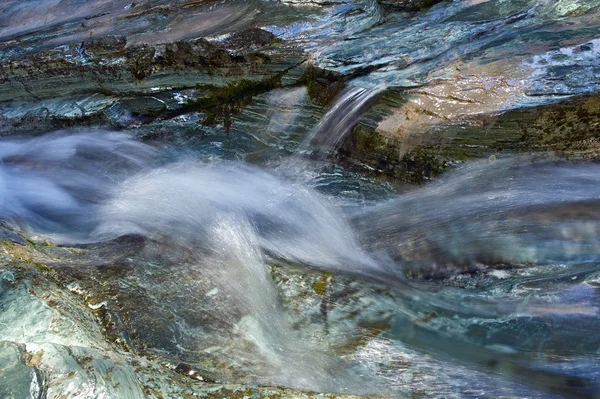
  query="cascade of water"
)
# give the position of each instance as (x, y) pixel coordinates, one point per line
(55, 184)
(328, 135)
(224, 215)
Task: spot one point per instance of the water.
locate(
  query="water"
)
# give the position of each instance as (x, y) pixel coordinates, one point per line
(511, 211)
(481, 283)
(334, 127)
(64, 178)
(539, 215)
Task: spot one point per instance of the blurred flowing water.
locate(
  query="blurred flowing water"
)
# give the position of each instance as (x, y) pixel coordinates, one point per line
(328, 135)
(538, 216)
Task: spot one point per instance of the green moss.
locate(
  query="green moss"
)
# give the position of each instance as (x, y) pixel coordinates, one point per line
(320, 286)
(220, 103)
(421, 164)
(383, 153)
(41, 267)
(369, 141)
(322, 85)
(234, 91)
(571, 128)
(141, 61)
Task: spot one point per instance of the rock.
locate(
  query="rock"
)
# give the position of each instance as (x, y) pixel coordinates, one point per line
(17, 378)
(248, 39)
(194, 53)
(322, 85)
(107, 66)
(390, 156)
(7, 234)
(102, 48)
(571, 128)
(144, 106)
(408, 5)
(334, 308)
(415, 151)
(57, 323)
(103, 81)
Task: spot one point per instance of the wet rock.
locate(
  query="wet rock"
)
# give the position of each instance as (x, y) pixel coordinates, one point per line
(572, 128)
(106, 66)
(194, 53)
(322, 85)
(99, 49)
(337, 309)
(220, 103)
(144, 106)
(415, 151)
(100, 82)
(408, 5)
(56, 340)
(248, 39)
(389, 156)
(18, 379)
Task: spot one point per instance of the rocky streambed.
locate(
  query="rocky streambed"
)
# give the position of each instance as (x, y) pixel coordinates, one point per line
(272, 198)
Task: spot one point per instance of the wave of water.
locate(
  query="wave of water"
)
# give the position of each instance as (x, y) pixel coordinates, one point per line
(511, 211)
(91, 187)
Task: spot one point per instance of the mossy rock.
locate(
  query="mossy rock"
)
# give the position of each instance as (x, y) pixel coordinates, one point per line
(193, 53)
(140, 61)
(322, 85)
(220, 103)
(569, 129)
(572, 128)
(385, 154)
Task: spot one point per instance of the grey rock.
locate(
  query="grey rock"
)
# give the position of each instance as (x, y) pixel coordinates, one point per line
(144, 106)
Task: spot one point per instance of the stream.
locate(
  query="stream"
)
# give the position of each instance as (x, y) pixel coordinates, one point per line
(480, 282)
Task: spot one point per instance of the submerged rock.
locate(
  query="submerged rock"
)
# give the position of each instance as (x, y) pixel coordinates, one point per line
(60, 324)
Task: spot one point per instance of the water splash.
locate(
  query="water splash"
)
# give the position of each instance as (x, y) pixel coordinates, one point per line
(231, 218)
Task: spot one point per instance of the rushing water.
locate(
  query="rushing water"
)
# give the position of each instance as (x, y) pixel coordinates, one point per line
(486, 278)
(328, 135)
(539, 214)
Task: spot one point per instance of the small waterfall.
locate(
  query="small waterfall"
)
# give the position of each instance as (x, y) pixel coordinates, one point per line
(226, 216)
(328, 135)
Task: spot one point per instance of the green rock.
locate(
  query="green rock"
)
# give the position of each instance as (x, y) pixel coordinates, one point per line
(144, 106)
